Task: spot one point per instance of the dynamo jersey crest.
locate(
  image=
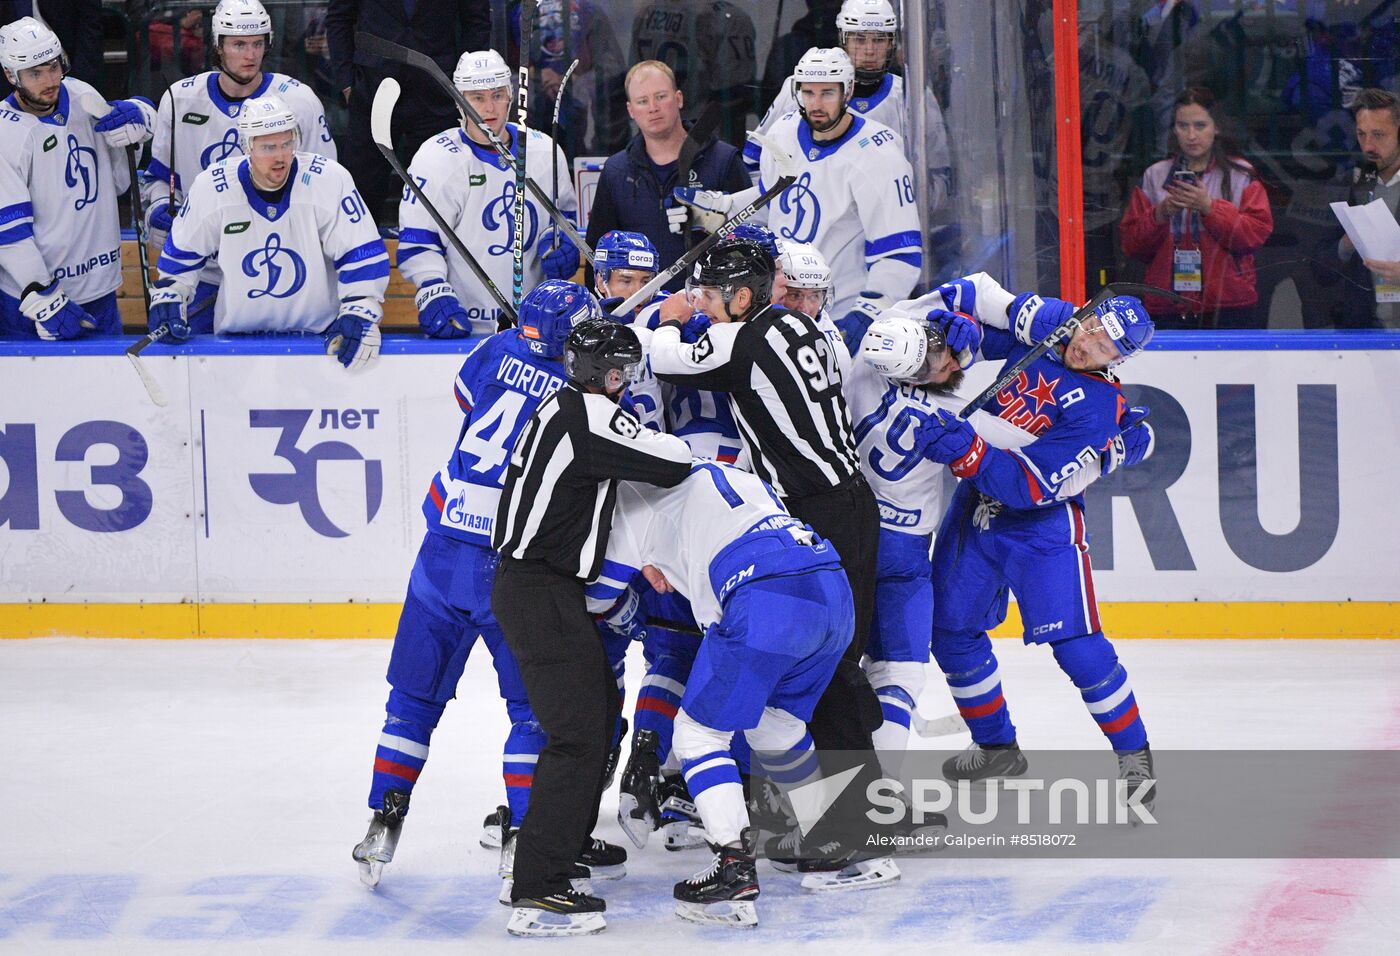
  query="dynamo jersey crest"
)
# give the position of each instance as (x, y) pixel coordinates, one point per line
(279, 266)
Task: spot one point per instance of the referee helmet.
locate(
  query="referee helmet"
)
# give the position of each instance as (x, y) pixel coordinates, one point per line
(602, 353)
(734, 264)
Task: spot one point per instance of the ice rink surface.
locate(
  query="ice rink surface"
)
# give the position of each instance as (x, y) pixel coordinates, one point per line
(203, 796)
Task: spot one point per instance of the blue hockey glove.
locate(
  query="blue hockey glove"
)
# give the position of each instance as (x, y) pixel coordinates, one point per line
(1134, 443)
(695, 328)
(129, 123)
(1034, 318)
(962, 333)
(353, 338)
(960, 295)
(161, 216)
(949, 440)
(439, 312)
(559, 263)
(54, 315)
(168, 311)
(867, 309)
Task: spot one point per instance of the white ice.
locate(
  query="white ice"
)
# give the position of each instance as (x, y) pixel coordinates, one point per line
(203, 796)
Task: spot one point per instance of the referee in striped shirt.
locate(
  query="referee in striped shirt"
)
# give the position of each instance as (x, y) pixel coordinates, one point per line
(551, 531)
(783, 376)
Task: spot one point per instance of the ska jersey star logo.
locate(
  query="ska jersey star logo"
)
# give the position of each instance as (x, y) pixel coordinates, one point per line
(1024, 406)
(1044, 392)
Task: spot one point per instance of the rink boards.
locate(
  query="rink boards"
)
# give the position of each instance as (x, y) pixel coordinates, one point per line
(277, 495)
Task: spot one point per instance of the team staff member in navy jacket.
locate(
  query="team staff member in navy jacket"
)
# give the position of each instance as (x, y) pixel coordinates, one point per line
(634, 193)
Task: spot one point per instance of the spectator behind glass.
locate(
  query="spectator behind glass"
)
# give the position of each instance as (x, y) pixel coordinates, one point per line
(189, 27)
(1371, 293)
(1197, 219)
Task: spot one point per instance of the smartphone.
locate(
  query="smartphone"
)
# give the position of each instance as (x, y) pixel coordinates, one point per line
(1186, 176)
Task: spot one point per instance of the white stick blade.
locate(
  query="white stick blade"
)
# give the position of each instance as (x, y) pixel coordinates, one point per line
(153, 388)
(382, 111)
(94, 105)
(781, 157)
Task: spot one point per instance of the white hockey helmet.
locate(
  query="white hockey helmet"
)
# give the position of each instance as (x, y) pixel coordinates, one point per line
(27, 43)
(481, 70)
(824, 65)
(869, 16)
(804, 266)
(240, 18)
(903, 347)
(263, 116)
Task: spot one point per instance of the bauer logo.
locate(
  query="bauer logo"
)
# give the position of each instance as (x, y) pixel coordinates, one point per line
(194, 119)
(335, 487)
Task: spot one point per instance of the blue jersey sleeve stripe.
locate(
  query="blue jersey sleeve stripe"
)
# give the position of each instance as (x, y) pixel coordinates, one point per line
(368, 250)
(420, 236)
(887, 244)
(174, 267)
(17, 234)
(173, 251)
(375, 270)
(408, 253)
(915, 259)
(19, 210)
(157, 170)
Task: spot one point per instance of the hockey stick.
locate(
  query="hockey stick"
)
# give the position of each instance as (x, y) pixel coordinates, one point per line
(522, 130)
(379, 46)
(937, 727)
(700, 131)
(381, 112)
(96, 107)
(787, 170)
(148, 380)
(554, 138)
(1062, 332)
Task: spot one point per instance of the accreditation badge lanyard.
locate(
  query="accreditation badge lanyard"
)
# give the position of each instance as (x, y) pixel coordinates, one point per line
(1186, 263)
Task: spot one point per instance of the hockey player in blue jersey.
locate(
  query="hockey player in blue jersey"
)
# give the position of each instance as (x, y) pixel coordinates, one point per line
(1016, 521)
(448, 603)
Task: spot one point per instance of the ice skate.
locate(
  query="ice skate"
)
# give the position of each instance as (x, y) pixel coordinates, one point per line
(724, 892)
(377, 848)
(492, 827)
(833, 868)
(915, 838)
(680, 821)
(638, 809)
(579, 880)
(569, 913)
(603, 860)
(1135, 766)
(980, 763)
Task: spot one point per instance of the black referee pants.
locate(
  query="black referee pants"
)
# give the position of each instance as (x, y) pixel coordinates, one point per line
(573, 693)
(848, 517)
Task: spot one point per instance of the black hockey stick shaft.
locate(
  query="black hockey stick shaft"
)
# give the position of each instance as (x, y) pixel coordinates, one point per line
(554, 137)
(378, 46)
(700, 131)
(138, 225)
(380, 112)
(1059, 334)
(684, 263)
(522, 131)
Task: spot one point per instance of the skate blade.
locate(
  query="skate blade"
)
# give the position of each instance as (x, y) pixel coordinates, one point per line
(739, 914)
(783, 866)
(370, 872)
(681, 835)
(614, 872)
(579, 886)
(858, 876)
(490, 838)
(636, 824)
(527, 921)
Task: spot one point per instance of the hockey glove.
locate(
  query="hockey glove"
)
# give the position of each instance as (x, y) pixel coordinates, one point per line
(1134, 443)
(161, 216)
(168, 311)
(711, 207)
(853, 324)
(559, 263)
(439, 313)
(1034, 318)
(949, 440)
(622, 618)
(695, 328)
(353, 338)
(962, 333)
(128, 124)
(960, 295)
(54, 315)
(677, 217)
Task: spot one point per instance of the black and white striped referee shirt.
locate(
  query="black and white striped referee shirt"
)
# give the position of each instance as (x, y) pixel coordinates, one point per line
(784, 378)
(560, 488)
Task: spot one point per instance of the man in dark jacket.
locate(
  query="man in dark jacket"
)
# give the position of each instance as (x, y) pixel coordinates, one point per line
(440, 28)
(634, 193)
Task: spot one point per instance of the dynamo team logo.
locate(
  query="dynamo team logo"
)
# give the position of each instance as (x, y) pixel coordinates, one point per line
(279, 266)
(800, 202)
(80, 173)
(221, 149)
(501, 211)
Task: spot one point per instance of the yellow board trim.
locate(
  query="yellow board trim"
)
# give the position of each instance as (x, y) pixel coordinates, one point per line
(1189, 620)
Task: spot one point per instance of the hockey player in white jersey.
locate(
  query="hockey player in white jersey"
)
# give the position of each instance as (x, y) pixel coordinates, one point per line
(298, 250)
(473, 187)
(854, 196)
(60, 174)
(869, 33)
(203, 111)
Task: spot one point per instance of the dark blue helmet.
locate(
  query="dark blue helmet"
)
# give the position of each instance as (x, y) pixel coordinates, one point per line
(756, 233)
(624, 250)
(550, 311)
(1127, 324)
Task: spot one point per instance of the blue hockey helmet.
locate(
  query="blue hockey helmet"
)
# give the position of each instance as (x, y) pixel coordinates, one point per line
(550, 311)
(1127, 323)
(756, 233)
(624, 250)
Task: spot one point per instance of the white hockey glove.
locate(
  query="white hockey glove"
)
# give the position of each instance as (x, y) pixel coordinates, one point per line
(677, 216)
(711, 208)
(353, 338)
(128, 124)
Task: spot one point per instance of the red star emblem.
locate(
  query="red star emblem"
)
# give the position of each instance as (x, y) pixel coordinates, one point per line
(1044, 392)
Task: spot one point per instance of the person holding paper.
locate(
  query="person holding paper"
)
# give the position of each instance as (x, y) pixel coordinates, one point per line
(1197, 219)
(1371, 294)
